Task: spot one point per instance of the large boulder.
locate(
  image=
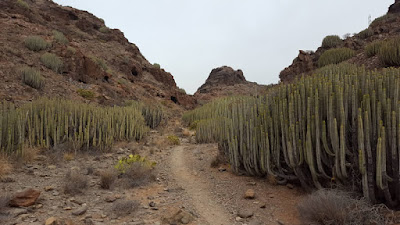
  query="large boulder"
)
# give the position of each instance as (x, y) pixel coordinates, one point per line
(25, 198)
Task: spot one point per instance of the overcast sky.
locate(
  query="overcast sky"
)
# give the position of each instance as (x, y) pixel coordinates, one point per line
(189, 38)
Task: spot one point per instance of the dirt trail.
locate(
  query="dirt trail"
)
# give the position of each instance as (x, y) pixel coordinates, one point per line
(203, 201)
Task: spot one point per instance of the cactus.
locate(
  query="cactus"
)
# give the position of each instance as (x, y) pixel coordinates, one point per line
(49, 122)
(341, 123)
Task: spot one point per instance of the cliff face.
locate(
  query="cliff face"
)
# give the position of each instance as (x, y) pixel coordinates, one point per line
(382, 28)
(94, 57)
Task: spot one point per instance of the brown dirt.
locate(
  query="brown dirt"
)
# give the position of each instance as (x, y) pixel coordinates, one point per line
(184, 181)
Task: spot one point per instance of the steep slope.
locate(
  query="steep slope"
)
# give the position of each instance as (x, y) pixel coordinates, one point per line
(225, 81)
(383, 28)
(95, 59)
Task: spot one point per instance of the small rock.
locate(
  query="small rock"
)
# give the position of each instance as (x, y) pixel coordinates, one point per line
(82, 210)
(250, 194)
(263, 205)
(110, 199)
(19, 211)
(221, 169)
(25, 198)
(51, 221)
(48, 188)
(52, 167)
(251, 183)
(280, 222)
(152, 204)
(244, 213)
(238, 219)
(290, 186)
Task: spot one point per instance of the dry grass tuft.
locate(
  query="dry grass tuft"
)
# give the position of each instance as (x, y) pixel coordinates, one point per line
(30, 155)
(69, 156)
(107, 178)
(124, 207)
(75, 183)
(137, 174)
(5, 166)
(332, 207)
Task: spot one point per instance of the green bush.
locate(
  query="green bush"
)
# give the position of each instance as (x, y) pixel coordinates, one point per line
(365, 33)
(331, 41)
(104, 30)
(22, 4)
(88, 94)
(373, 48)
(156, 65)
(32, 77)
(173, 140)
(389, 52)
(52, 62)
(71, 49)
(335, 56)
(99, 62)
(36, 43)
(60, 37)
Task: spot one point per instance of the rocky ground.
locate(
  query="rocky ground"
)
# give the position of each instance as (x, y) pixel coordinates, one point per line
(184, 190)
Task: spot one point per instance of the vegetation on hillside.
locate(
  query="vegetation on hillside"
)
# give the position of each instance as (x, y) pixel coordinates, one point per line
(335, 56)
(32, 77)
(331, 41)
(338, 127)
(36, 43)
(52, 62)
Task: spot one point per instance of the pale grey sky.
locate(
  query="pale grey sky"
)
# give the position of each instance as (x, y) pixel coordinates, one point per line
(189, 38)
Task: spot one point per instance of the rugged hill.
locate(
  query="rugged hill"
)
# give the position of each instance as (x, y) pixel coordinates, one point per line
(383, 28)
(225, 81)
(98, 64)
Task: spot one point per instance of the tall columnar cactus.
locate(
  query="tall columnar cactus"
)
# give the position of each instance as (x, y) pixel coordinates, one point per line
(340, 125)
(47, 123)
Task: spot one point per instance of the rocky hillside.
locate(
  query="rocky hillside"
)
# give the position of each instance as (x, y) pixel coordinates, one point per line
(383, 28)
(225, 81)
(80, 58)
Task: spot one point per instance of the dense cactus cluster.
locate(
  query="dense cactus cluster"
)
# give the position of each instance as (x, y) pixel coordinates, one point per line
(340, 126)
(335, 56)
(47, 123)
(373, 48)
(153, 113)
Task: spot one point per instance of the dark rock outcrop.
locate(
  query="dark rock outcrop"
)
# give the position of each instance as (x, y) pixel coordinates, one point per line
(302, 64)
(395, 7)
(225, 81)
(222, 76)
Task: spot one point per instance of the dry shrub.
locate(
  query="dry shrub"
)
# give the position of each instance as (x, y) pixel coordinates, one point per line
(187, 133)
(5, 166)
(124, 207)
(69, 156)
(29, 155)
(333, 207)
(107, 178)
(137, 174)
(75, 182)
